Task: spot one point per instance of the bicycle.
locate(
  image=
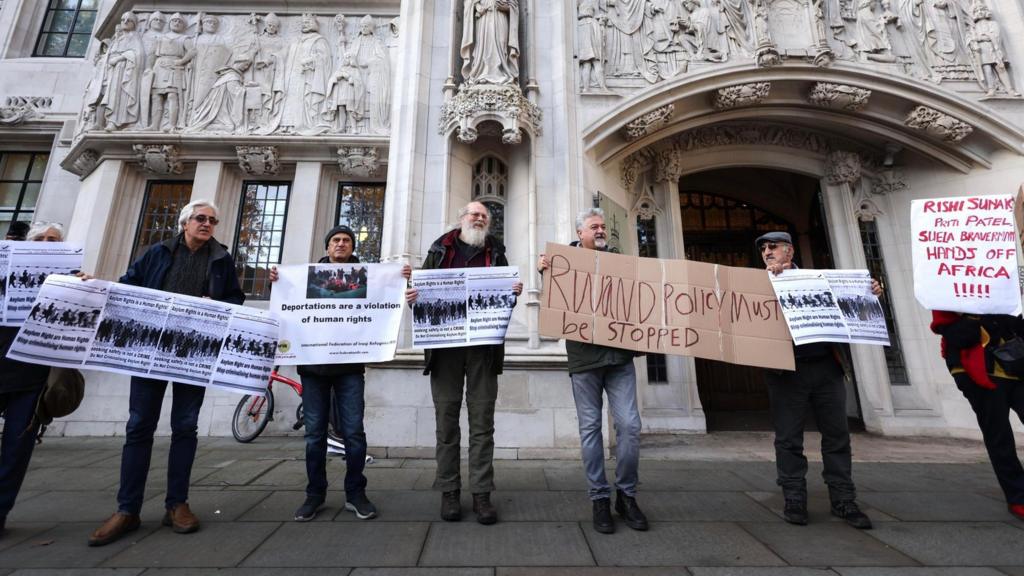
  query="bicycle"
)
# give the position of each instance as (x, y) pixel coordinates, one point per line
(253, 413)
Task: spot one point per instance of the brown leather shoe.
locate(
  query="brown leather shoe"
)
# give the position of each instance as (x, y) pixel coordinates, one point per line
(116, 526)
(181, 519)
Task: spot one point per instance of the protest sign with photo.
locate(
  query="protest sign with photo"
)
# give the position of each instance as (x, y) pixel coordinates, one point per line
(102, 325)
(664, 306)
(965, 254)
(24, 267)
(830, 306)
(338, 313)
(462, 306)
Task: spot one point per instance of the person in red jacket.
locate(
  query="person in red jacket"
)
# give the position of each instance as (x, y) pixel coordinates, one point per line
(968, 342)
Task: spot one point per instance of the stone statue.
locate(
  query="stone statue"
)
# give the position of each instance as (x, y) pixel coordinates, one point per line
(373, 60)
(271, 53)
(736, 20)
(155, 24)
(339, 26)
(590, 23)
(872, 39)
(490, 42)
(223, 109)
(629, 41)
(125, 63)
(346, 96)
(708, 32)
(95, 90)
(668, 49)
(172, 52)
(212, 54)
(935, 27)
(306, 68)
(986, 45)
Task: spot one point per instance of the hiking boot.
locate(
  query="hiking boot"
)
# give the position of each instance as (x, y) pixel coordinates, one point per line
(362, 506)
(485, 512)
(603, 522)
(795, 512)
(451, 507)
(116, 526)
(849, 511)
(626, 507)
(309, 508)
(181, 519)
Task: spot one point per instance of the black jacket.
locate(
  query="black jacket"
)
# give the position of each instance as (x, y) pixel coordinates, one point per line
(332, 369)
(18, 376)
(151, 268)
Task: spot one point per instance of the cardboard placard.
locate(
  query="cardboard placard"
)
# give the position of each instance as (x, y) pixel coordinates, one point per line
(664, 306)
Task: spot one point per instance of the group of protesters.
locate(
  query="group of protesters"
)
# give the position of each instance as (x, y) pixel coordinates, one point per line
(193, 263)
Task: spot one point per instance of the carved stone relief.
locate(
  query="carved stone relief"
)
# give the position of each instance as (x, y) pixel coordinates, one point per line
(649, 122)
(86, 162)
(361, 161)
(741, 95)
(935, 123)
(159, 158)
(646, 207)
(888, 183)
(242, 74)
(258, 160)
(842, 96)
(632, 43)
(473, 105)
(842, 167)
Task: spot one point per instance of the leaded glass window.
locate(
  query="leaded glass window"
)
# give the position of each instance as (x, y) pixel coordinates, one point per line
(876, 265)
(67, 28)
(160, 209)
(21, 177)
(647, 247)
(361, 208)
(260, 235)
(490, 187)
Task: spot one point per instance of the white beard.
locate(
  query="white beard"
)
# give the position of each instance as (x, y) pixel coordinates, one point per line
(600, 243)
(473, 236)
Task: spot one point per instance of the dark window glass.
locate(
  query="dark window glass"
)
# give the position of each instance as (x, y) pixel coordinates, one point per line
(876, 265)
(361, 208)
(490, 181)
(159, 218)
(21, 177)
(66, 28)
(260, 235)
(647, 247)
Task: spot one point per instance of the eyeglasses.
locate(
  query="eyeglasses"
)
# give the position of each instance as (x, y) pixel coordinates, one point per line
(771, 245)
(203, 219)
(475, 215)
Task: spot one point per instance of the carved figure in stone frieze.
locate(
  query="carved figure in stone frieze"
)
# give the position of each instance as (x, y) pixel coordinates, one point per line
(590, 24)
(268, 72)
(937, 32)
(89, 119)
(709, 35)
(223, 109)
(669, 49)
(490, 42)
(156, 23)
(125, 64)
(306, 69)
(872, 39)
(373, 59)
(172, 52)
(212, 54)
(628, 41)
(736, 19)
(346, 96)
(342, 39)
(986, 44)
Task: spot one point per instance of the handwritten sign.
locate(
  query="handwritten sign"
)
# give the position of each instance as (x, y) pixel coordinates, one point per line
(965, 254)
(664, 306)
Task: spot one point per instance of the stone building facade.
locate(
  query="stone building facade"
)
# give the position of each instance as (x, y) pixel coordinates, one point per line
(696, 124)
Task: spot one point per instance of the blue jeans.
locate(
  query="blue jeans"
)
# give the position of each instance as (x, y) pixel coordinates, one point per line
(619, 382)
(18, 443)
(316, 405)
(147, 396)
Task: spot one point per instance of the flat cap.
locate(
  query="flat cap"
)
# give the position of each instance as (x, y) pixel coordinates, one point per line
(777, 236)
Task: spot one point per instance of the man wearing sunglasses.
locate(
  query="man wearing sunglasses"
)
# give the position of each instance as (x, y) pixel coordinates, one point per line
(818, 384)
(195, 264)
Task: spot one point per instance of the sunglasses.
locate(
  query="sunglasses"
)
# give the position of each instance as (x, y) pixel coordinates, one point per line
(771, 245)
(203, 219)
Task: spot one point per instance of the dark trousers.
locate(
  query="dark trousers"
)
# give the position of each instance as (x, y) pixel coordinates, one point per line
(147, 396)
(992, 407)
(818, 384)
(17, 444)
(453, 368)
(347, 390)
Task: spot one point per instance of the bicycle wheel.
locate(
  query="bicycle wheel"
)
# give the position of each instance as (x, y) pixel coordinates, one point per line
(251, 416)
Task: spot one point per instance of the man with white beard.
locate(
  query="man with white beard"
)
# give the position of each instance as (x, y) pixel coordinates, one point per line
(594, 370)
(466, 246)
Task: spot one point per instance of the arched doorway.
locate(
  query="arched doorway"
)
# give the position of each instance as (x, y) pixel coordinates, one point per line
(723, 211)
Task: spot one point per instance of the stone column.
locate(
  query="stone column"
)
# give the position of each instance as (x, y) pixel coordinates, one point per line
(91, 222)
(842, 175)
(206, 184)
(299, 242)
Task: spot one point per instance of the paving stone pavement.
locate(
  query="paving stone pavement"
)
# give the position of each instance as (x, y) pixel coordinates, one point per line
(711, 499)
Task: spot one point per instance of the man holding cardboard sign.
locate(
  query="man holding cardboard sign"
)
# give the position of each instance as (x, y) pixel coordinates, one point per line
(594, 369)
(817, 382)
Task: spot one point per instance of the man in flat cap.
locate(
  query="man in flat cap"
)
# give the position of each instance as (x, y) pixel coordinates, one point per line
(817, 383)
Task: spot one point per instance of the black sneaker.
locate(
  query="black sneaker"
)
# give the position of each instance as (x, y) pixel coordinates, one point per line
(451, 506)
(603, 522)
(627, 508)
(795, 512)
(309, 508)
(362, 506)
(849, 511)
